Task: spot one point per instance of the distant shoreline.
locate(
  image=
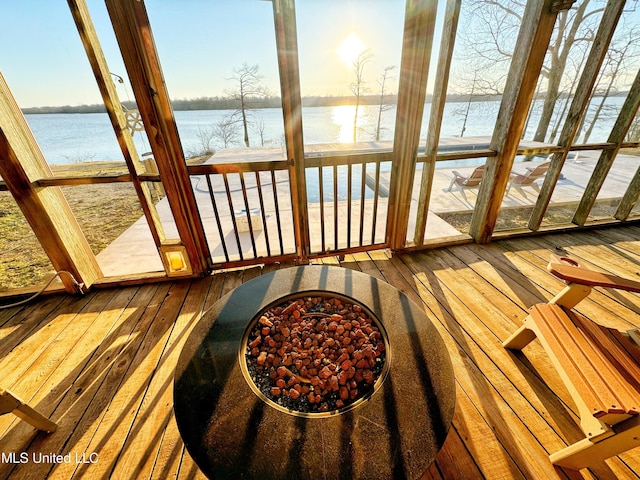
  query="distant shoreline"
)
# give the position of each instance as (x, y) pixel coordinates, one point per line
(223, 103)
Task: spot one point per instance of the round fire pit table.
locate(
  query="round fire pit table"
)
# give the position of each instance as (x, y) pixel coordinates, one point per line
(395, 432)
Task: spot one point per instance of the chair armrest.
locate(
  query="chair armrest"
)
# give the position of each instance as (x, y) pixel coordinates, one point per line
(457, 174)
(571, 271)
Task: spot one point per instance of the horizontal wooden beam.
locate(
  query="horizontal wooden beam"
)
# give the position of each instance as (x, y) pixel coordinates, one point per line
(462, 155)
(238, 167)
(66, 181)
(352, 159)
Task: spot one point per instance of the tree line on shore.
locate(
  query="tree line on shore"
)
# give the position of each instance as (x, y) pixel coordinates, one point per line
(225, 103)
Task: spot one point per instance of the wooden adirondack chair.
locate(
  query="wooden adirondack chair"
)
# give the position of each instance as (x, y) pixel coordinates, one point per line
(519, 180)
(9, 403)
(600, 366)
(462, 182)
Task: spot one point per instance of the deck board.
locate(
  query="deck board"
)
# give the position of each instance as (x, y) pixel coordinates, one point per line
(102, 365)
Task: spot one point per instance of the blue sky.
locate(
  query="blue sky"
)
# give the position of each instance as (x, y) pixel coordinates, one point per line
(200, 43)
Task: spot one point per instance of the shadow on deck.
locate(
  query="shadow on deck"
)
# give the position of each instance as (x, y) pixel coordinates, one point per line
(102, 365)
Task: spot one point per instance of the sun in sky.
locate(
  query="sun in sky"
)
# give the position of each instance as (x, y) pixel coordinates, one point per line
(350, 48)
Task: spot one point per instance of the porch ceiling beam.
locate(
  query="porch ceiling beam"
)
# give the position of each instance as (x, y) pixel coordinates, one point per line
(618, 132)
(419, 24)
(526, 63)
(133, 33)
(579, 104)
(46, 209)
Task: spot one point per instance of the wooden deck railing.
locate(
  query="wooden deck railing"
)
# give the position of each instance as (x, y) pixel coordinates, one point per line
(245, 209)
(246, 205)
(350, 208)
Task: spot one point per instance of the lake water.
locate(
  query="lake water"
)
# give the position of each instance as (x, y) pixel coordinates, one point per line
(71, 138)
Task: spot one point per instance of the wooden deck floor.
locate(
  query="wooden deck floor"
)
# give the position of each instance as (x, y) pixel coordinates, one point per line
(102, 365)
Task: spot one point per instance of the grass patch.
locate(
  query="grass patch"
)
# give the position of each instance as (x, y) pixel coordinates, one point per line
(104, 212)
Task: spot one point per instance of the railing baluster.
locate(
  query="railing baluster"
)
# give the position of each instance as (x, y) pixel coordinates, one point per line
(321, 188)
(376, 190)
(217, 215)
(335, 207)
(233, 215)
(363, 184)
(248, 214)
(263, 214)
(277, 208)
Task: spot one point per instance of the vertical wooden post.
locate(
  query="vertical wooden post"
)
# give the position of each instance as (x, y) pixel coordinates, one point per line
(45, 208)
(450, 29)
(534, 36)
(133, 32)
(420, 17)
(287, 44)
(618, 132)
(579, 104)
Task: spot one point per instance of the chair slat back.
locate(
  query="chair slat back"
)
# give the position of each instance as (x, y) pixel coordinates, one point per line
(475, 178)
(539, 171)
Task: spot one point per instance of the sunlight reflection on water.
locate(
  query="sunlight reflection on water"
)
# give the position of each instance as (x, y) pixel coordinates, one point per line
(342, 116)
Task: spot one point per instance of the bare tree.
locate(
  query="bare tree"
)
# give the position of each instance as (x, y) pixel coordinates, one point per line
(226, 132)
(477, 88)
(358, 87)
(621, 56)
(204, 145)
(471, 95)
(383, 98)
(568, 90)
(249, 87)
(633, 135)
(260, 127)
(488, 41)
(572, 27)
